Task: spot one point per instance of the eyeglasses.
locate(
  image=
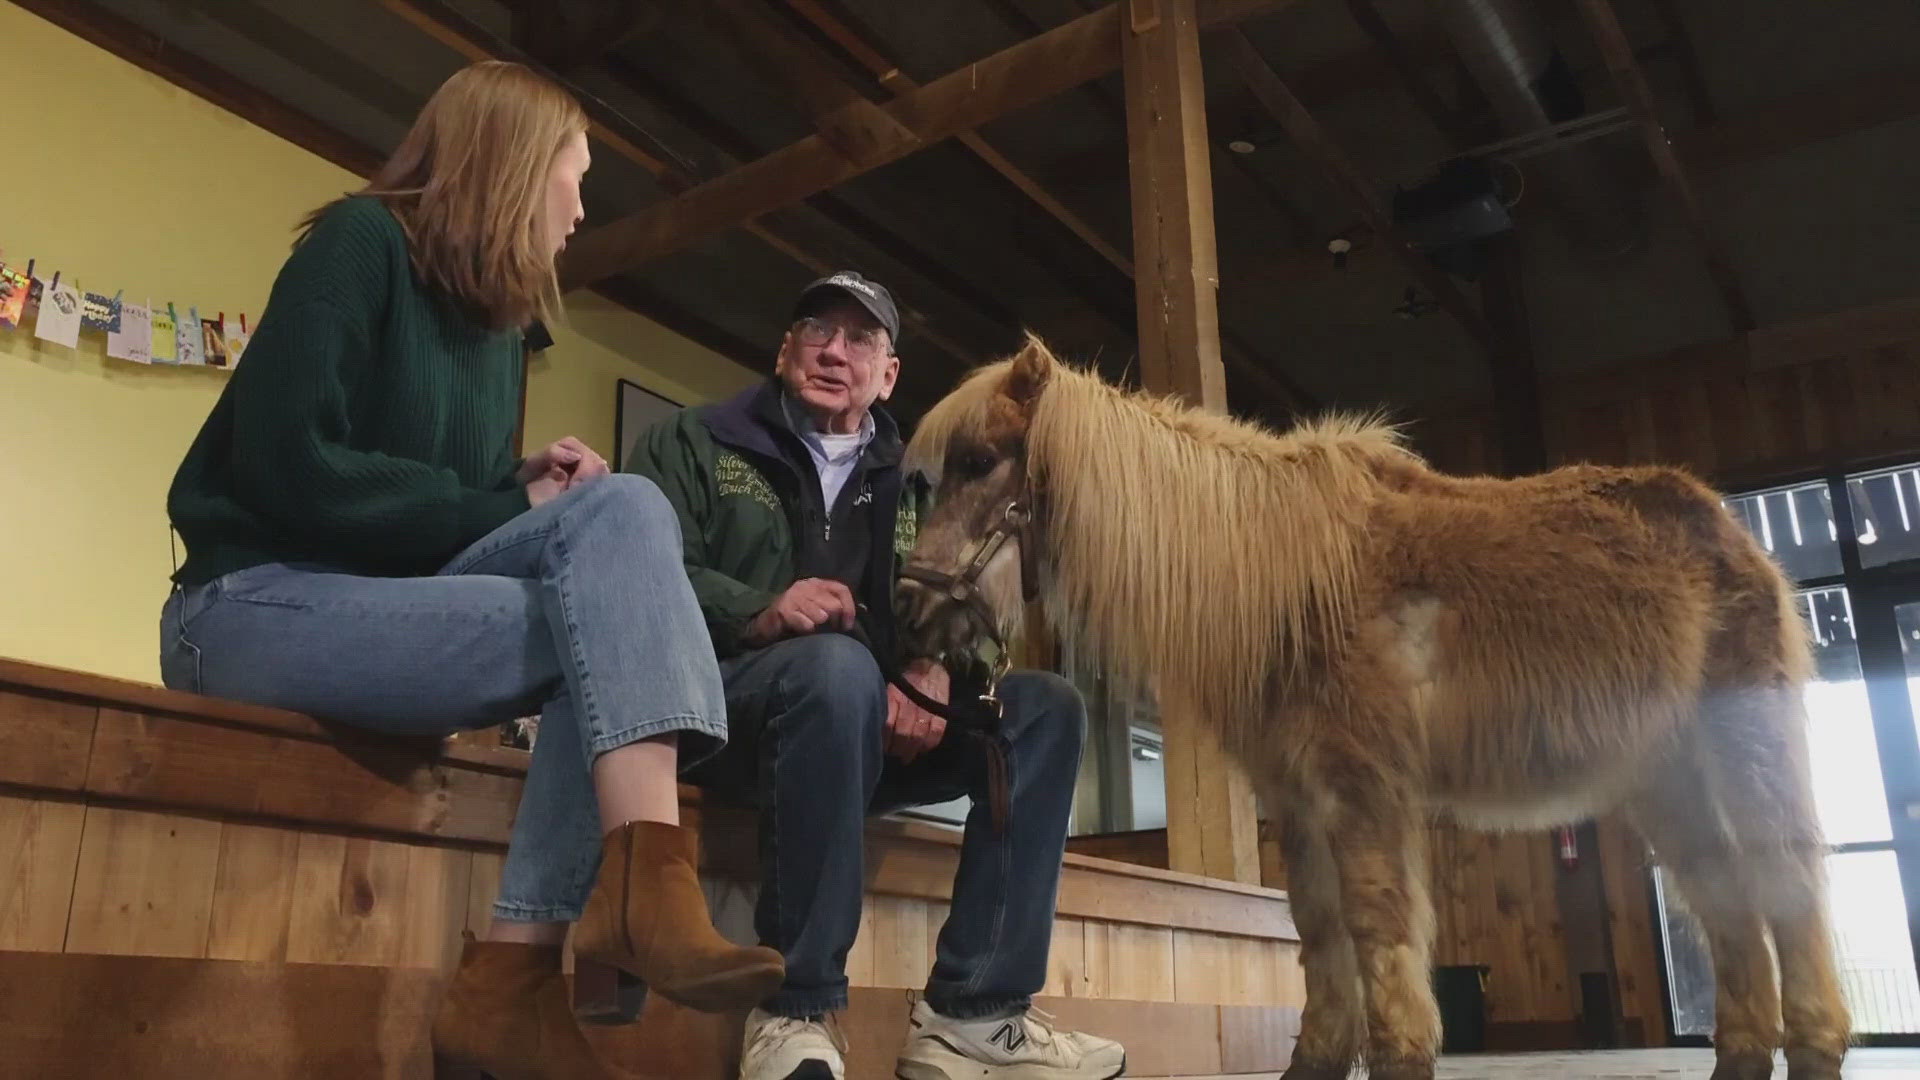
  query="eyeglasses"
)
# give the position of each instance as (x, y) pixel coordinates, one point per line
(862, 344)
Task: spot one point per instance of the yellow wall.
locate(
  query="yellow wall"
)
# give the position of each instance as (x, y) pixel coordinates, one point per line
(129, 182)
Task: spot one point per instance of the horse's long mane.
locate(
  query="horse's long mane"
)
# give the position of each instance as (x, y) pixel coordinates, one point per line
(1186, 546)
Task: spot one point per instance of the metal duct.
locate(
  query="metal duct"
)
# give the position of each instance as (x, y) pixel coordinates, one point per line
(1507, 50)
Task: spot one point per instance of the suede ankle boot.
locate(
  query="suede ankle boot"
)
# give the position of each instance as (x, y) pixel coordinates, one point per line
(506, 1015)
(647, 916)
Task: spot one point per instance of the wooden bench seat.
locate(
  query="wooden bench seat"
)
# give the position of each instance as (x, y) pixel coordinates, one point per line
(195, 887)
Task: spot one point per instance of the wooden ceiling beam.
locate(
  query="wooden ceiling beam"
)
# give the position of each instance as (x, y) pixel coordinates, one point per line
(1822, 112)
(1013, 78)
(150, 52)
(731, 145)
(1688, 58)
(897, 83)
(1340, 171)
(1631, 83)
(1281, 390)
(435, 19)
(1410, 70)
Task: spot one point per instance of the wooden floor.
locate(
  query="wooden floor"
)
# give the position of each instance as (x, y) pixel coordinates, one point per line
(1866, 1064)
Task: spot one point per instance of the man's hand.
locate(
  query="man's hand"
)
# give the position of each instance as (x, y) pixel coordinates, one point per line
(911, 730)
(572, 457)
(806, 606)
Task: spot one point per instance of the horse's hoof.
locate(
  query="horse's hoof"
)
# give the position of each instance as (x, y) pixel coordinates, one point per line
(1746, 1067)
(1813, 1065)
(1301, 1070)
(1403, 1070)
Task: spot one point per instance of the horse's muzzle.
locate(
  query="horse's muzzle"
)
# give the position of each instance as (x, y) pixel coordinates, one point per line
(931, 623)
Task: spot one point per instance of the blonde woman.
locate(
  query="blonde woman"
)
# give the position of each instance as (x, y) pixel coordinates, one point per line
(362, 546)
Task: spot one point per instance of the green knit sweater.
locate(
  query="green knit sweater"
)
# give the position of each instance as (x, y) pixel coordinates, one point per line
(368, 428)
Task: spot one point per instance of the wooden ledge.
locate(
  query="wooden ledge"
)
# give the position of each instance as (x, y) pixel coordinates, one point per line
(72, 734)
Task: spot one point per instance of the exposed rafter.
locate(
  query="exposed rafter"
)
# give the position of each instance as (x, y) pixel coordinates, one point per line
(1274, 385)
(894, 81)
(1411, 72)
(1340, 171)
(1030, 71)
(457, 33)
(1631, 84)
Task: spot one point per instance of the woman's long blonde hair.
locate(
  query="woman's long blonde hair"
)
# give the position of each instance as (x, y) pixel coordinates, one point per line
(468, 185)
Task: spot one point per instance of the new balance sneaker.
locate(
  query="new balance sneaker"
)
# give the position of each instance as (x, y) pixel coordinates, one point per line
(1022, 1047)
(785, 1048)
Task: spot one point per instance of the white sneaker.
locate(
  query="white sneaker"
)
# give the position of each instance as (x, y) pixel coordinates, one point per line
(1023, 1047)
(782, 1048)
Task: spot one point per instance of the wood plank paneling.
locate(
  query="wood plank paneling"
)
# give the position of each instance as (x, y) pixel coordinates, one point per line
(39, 849)
(900, 941)
(88, 1017)
(1162, 1038)
(1067, 960)
(253, 893)
(1833, 390)
(1631, 928)
(243, 762)
(1130, 962)
(483, 885)
(1256, 1039)
(144, 884)
(182, 763)
(44, 742)
(349, 901)
(149, 1017)
(860, 962)
(434, 907)
(1202, 968)
(43, 680)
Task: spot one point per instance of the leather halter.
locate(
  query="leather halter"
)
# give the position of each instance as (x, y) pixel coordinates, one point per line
(963, 587)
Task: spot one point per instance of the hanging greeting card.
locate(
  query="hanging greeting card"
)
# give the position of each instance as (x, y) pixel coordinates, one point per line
(99, 312)
(59, 320)
(133, 340)
(213, 344)
(187, 338)
(14, 287)
(164, 344)
(237, 337)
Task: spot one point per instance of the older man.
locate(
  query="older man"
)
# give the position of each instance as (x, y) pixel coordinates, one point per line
(795, 514)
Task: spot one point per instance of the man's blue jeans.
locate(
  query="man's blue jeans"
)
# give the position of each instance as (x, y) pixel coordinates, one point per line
(578, 609)
(807, 726)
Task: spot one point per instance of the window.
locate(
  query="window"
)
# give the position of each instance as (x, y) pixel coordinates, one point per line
(1860, 577)
(1886, 514)
(1796, 526)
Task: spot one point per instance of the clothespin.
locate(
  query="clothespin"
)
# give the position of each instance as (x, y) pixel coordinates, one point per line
(29, 269)
(243, 322)
(171, 315)
(55, 285)
(220, 320)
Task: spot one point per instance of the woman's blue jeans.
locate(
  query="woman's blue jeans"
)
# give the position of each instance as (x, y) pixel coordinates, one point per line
(578, 609)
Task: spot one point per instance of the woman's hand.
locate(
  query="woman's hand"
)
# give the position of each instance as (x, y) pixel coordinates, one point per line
(545, 488)
(572, 457)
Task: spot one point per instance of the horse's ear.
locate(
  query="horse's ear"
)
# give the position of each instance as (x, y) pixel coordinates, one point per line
(1031, 370)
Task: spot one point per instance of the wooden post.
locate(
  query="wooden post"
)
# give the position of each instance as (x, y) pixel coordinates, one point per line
(1516, 380)
(1211, 822)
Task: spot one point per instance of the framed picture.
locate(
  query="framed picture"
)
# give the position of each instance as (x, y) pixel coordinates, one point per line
(636, 410)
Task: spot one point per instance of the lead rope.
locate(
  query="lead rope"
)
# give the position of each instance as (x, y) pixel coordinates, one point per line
(986, 735)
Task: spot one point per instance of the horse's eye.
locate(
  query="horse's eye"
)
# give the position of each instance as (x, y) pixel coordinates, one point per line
(973, 465)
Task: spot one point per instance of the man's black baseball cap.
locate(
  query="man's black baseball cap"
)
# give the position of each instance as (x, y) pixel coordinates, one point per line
(871, 295)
